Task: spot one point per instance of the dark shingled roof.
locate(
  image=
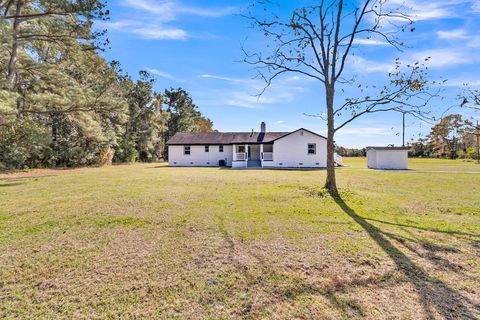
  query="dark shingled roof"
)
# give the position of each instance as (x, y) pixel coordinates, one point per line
(186, 138)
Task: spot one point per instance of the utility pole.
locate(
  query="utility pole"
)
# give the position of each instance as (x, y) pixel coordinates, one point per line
(403, 134)
(478, 143)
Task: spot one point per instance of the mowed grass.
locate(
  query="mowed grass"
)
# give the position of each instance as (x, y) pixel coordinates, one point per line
(150, 241)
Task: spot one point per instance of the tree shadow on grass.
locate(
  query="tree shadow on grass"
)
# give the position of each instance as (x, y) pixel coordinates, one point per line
(11, 184)
(278, 287)
(429, 252)
(434, 294)
(451, 232)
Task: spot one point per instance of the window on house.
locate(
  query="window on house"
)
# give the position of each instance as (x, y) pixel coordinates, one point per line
(312, 148)
(241, 149)
(220, 148)
(207, 148)
(186, 150)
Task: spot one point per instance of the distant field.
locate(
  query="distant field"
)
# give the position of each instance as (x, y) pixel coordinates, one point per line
(426, 164)
(146, 240)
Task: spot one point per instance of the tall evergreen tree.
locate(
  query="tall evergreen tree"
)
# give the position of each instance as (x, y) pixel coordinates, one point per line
(61, 104)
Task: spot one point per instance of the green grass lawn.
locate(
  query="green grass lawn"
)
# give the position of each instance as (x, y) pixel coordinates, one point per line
(139, 241)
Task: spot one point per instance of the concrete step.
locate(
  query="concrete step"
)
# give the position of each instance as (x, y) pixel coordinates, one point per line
(254, 163)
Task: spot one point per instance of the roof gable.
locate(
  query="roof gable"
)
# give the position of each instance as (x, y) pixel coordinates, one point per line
(289, 133)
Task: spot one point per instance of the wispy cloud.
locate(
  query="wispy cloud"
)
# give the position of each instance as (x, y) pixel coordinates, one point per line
(361, 64)
(457, 82)
(443, 57)
(156, 17)
(453, 34)
(244, 92)
(160, 73)
(476, 6)
(163, 34)
(371, 42)
(420, 10)
(144, 30)
(223, 78)
(469, 39)
(165, 11)
(209, 12)
(114, 25)
(366, 131)
(169, 10)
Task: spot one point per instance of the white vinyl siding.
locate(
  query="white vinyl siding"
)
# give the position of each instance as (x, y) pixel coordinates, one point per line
(291, 151)
(387, 159)
(198, 156)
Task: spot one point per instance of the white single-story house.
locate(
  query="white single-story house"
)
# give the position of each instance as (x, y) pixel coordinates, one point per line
(297, 149)
(388, 158)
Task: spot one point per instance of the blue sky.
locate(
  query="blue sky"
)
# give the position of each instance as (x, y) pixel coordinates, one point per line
(196, 45)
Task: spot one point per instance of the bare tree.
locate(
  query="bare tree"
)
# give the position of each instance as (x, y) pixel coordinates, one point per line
(471, 99)
(316, 42)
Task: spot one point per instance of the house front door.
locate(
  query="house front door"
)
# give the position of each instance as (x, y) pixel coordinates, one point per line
(254, 152)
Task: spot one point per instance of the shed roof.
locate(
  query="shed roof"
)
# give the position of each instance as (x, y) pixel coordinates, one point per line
(388, 148)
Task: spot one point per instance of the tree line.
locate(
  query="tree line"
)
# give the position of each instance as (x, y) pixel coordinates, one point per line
(453, 137)
(62, 104)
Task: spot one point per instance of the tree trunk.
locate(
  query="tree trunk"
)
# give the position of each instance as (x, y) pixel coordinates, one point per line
(330, 183)
(12, 63)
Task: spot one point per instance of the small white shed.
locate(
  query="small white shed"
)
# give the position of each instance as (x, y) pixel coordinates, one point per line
(389, 158)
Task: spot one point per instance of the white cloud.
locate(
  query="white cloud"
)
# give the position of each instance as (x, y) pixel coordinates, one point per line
(453, 34)
(165, 11)
(471, 40)
(160, 73)
(249, 99)
(422, 10)
(117, 25)
(159, 33)
(229, 79)
(443, 57)
(154, 17)
(168, 10)
(243, 92)
(209, 12)
(419, 10)
(474, 42)
(476, 6)
(371, 42)
(366, 131)
(462, 83)
(144, 30)
(293, 78)
(360, 64)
